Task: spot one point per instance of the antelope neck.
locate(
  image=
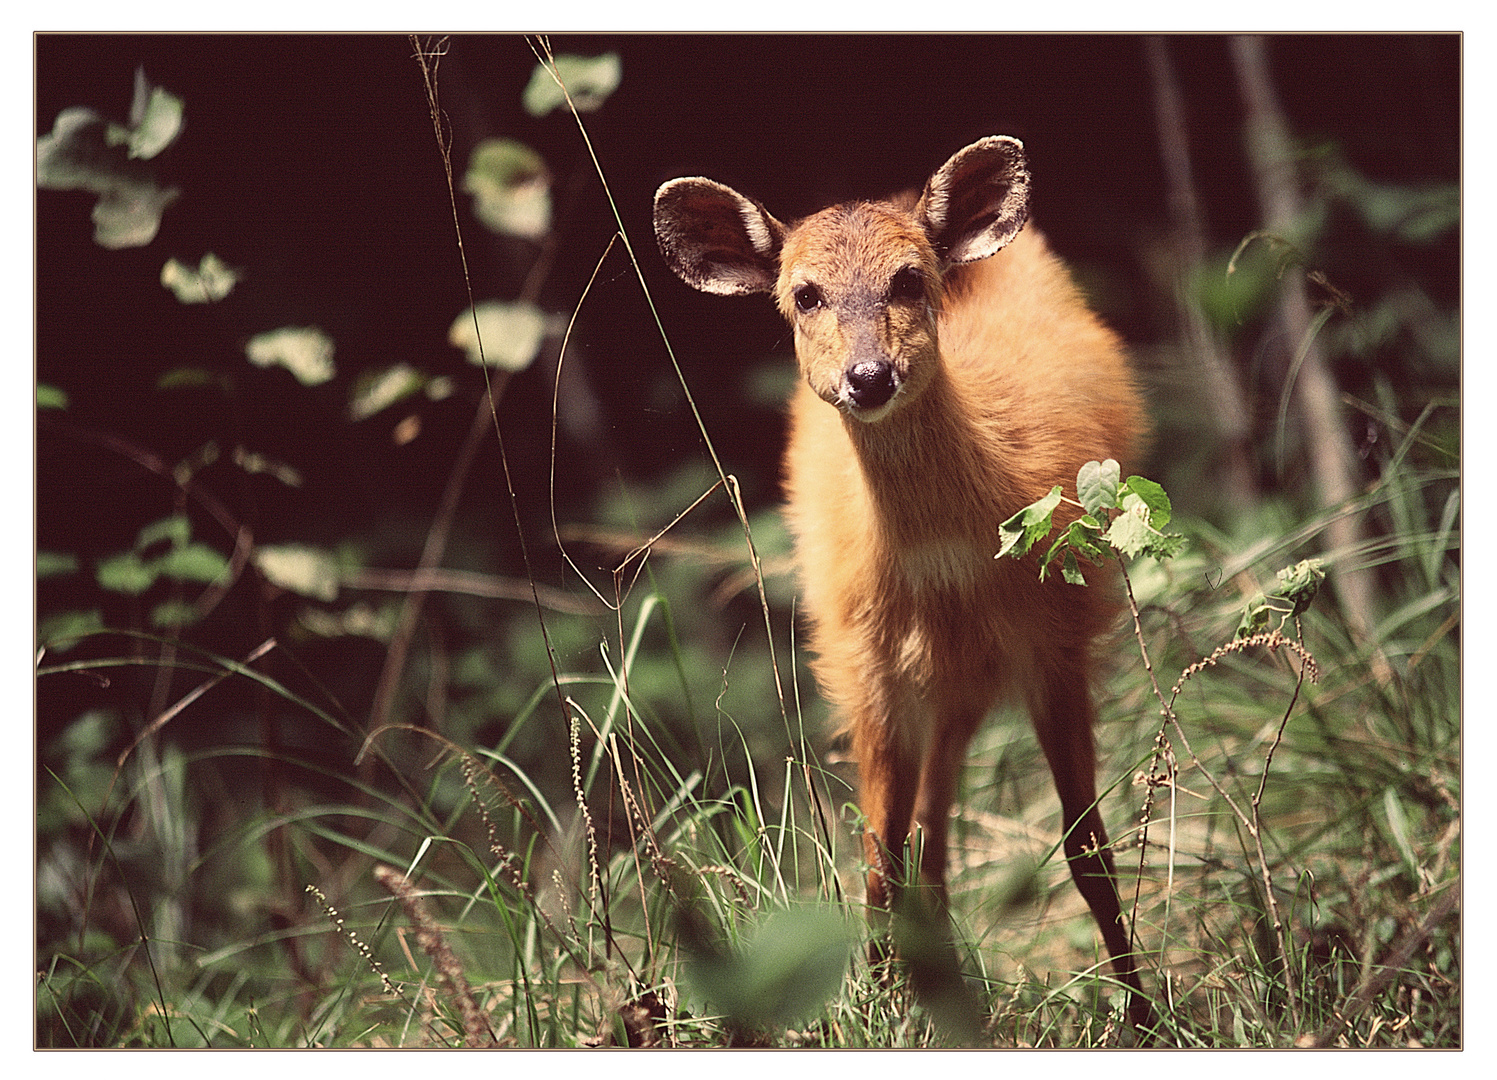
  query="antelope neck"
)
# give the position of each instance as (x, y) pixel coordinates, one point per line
(922, 468)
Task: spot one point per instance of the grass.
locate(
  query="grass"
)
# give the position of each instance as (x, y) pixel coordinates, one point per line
(692, 865)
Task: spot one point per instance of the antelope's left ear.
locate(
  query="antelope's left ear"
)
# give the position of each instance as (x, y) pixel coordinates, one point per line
(978, 201)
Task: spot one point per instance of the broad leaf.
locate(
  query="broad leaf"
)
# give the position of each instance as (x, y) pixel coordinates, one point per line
(379, 390)
(511, 188)
(211, 281)
(1152, 496)
(193, 562)
(1299, 583)
(782, 972)
(1129, 532)
(305, 351)
(1097, 486)
(125, 573)
(507, 336)
(589, 80)
(85, 152)
(155, 120)
(299, 568)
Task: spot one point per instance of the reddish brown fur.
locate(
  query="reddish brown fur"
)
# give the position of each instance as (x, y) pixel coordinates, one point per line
(1006, 384)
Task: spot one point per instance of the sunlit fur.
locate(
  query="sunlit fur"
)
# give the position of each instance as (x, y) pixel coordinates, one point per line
(917, 628)
(1005, 384)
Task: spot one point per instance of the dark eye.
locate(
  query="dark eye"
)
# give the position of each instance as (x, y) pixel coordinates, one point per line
(808, 298)
(907, 285)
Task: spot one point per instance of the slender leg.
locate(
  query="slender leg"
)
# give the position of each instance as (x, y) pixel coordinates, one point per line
(888, 777)
(919, 752)
(938, 786)
(1063, 719)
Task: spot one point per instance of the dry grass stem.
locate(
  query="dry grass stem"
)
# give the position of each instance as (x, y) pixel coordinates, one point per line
(476, 1031)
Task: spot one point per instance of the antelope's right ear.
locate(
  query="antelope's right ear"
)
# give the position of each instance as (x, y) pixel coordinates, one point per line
(715, 239)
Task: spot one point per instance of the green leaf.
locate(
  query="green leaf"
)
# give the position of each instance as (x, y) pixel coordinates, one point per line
(1416, 213)
(1020, 532)
(182, 377)
(175, 529)
(125, 573)
(82, 152)
(155, 120)
(1254, 617)
(1152, 496)
(299, 568)
(1055, 550)
(377, 391)
(1085, 535)
(55, 564)
(61, 631)
(1164, 545)
(50, 397)
(358, 620)
(511, 188)
(76, 156)
(210, 282)
(305, 351)
(1081, 537)
(589, 80)
(510, 334)
(1097, 486)
(193, 562)
(173, 614)
(1294, 591)
(1129, 533)
(68, 156)
(129, 214)
(783, 971)
(1299, 583)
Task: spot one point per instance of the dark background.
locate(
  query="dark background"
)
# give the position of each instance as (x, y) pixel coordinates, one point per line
(309, 163)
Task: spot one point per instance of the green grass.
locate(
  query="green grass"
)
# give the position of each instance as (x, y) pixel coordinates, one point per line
(666, 868)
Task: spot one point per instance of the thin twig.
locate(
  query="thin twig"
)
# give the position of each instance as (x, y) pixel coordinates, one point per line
(429, 57)
(1250, 821)
(1161, 750)
(1290, 987)
(542, 49)
(188, 698)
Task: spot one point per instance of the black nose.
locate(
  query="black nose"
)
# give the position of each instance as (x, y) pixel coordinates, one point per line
(870, 383)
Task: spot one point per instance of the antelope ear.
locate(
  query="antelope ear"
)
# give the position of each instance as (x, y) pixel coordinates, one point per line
(715, 239)
(978, 201)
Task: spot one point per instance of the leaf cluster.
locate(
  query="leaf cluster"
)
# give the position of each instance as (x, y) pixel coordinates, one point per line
(1123, 518)
(1291, 597)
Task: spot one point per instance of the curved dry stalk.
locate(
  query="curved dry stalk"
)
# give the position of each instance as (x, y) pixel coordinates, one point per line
(1251, 820)
(1164, 752)
(476, 1030)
